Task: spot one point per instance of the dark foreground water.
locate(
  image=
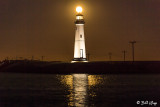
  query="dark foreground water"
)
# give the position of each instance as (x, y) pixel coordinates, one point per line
(79, 90)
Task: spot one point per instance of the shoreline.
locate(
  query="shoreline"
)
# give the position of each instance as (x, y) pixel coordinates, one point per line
(103, 67)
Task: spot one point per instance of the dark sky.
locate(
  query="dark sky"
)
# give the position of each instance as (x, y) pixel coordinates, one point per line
(46, 28)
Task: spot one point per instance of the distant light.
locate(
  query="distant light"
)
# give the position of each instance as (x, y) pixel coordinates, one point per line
(79, 9)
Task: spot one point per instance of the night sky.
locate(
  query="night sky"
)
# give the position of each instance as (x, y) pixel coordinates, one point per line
(46, 28)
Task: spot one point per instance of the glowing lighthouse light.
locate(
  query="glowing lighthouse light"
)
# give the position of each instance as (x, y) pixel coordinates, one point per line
(79, 45)
(79, 9)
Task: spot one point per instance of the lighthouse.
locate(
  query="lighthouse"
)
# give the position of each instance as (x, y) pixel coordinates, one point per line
(79, 45)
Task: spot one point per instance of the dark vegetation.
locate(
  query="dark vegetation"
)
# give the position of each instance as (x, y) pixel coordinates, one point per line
(113, 67)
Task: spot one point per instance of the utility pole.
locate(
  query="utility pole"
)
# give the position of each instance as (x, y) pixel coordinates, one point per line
(132, 42)
(88, 56)
(7, 58)
(124, 55)
(110, 56)
(42, 58)
(32, 58)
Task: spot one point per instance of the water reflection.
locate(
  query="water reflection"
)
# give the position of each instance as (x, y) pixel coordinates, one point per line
(78, 86)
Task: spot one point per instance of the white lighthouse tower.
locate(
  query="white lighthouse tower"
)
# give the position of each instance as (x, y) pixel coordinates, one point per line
(79, 45)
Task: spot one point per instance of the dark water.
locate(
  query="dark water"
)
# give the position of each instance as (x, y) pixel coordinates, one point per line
(79, 90)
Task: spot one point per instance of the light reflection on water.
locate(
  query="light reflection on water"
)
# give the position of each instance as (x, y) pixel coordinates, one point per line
(78, 86)
(78, 90)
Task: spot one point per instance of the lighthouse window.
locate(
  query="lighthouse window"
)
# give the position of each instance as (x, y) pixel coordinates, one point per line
(80, 36)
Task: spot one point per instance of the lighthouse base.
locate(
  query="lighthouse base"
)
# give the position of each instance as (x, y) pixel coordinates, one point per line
(79, 60)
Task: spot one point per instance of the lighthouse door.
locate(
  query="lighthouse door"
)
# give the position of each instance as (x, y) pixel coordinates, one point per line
(81, 53)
